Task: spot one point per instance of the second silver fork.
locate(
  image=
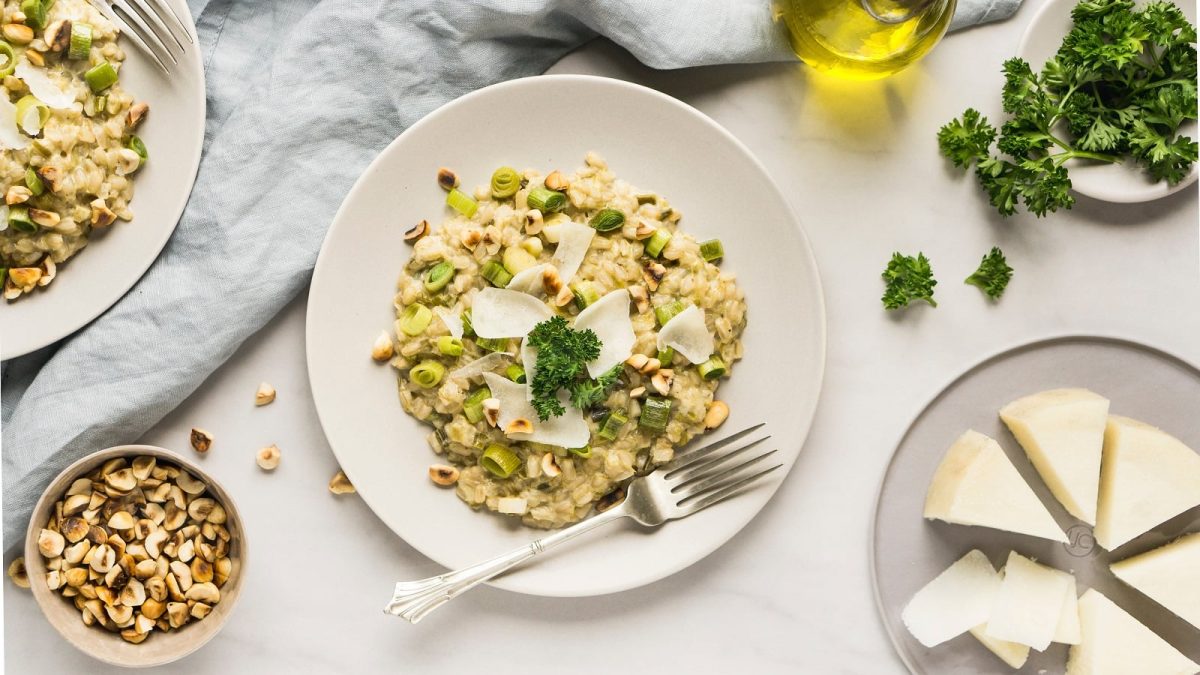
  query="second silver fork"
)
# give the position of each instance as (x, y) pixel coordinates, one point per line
(695, 480)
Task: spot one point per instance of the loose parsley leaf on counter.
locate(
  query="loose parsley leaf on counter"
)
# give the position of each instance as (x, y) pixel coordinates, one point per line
(993, 274)
(908, 279)
(562, 356)
(1121, 85)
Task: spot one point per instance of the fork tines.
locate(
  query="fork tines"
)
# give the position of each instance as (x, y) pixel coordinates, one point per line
(703, 476)
(153, 25)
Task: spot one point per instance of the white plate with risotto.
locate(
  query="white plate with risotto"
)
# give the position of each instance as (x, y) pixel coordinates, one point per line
(92, 193)
(505, 328)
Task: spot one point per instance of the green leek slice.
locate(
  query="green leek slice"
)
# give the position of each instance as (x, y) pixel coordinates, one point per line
(665, 313)
(499, 461)
(427, 374)
(473, 405)
(546, 200)
(450, 345)
(100, 77)
(657, 242)
(495, 273)
(607, 220)
(81, 41)
(438, 276)
(712, 250)
(461, 202)
(505, 182)
(415, 319)
(10, 59)
(655, 414)
(713, 368)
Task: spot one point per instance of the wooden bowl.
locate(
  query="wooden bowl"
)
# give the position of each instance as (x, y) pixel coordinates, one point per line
(159, 647)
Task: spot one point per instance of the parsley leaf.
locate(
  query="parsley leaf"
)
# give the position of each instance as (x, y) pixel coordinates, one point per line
(993, 274)
(908, 279)
(562, 356)
(588, 393)
(1122, 84)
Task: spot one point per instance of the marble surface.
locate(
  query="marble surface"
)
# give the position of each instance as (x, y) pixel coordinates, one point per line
(792, 592)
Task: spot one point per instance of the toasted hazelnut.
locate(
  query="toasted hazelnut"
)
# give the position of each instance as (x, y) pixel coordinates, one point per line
(268, 458)
(137, 112)
(17, 34)
(641, 298)
(128, 162)
(49, 271)
(102, 216)
(519, 425)
(57, 35)
(201, 440)
(75, 528)
(103, 557)
(122, 480)
(142, 466)
(651, 367)
(661, 381)
(447, 179)
(201, 610)
(340, 484)
(637, 392)
(471, 239)
(552, 280)
(18, 574)
(637, 361)
(121, 520)
(383, 349)
(717, 413)
(534, 222)
(155, 541)
(417, 231)
(222, 568)
(152, 609)
(653, 273)
(644, 230)
(134, 593)
(556, 181)
(35, 57)
(443, 474)
(50, 543)
(550, 465)
(44, 218)
(24, 278)
(17, 194)
(50, 176)
(178, 613)
(204, 592)
(491, 410)
(564, 297)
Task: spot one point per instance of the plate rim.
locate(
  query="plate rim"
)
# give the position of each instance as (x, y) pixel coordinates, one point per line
(119, 291)
(794, 224)
(952, 381)
(1039, 18)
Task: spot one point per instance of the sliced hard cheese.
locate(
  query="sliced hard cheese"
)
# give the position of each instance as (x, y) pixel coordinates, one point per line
(1148, 477)
(1012, 653)
(1029, 604)
(480, 366)
(10, 136)
(574, 239)
(1067, 632)
(609, 319)
(501, 313)
(529, 363)
(687, 334)
(959, 599)
(568, 430)
(529, 281)
(452, 321)
(1062, 431)
(976, 484)
(1115, 643)
(42, 87)
(1169, 575)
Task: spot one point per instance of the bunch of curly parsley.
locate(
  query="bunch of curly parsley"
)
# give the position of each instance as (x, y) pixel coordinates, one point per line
(1121, 84)
(562, 357)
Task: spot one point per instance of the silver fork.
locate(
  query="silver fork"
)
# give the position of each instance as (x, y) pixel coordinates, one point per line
(152, 25)
(697, 479)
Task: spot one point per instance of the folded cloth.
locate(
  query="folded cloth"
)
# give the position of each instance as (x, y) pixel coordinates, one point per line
(302, 94)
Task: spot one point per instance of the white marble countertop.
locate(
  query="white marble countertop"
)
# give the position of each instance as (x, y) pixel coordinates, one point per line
(792, 592)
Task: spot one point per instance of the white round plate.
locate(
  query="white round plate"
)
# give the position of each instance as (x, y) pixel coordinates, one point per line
(908, 551)
(656, 143)
(1123, 183)
(113, 261)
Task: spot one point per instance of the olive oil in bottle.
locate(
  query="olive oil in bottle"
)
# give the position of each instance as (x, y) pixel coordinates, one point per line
(864, 39)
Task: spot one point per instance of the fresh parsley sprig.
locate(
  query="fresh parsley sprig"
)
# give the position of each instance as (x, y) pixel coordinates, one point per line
(992, 275)
(908, 279)
(1121, 85)
(562, 357)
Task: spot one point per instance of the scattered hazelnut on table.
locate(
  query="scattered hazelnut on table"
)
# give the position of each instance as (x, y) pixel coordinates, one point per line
(201, 440)
(268, 458)
(16, 572)
(340, 484)
(264, 395)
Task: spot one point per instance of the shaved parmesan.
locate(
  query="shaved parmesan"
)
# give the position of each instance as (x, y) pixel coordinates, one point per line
(569, 430)
(480, 366)
(609, 319)
(529, 363)
(1029, 605)
(574, 240)
(687, 334)
(956, 601)
(32, 122)
(41, 86)
(10, 136)
(453, 321)
(501, 313)
(529, 281)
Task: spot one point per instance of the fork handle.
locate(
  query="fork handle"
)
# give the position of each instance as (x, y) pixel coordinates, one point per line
(413, 600)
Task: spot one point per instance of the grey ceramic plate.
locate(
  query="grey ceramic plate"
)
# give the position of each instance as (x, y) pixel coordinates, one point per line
(908, 551)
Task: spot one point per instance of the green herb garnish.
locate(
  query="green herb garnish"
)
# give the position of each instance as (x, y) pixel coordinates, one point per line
(993, 274)
(908, 279)
(588, 393)
(1121, 85)
(562, 356)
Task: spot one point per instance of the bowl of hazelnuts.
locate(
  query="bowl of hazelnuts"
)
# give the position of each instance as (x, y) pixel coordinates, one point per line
(135, 555)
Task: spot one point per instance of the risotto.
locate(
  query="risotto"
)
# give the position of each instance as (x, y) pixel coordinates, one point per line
(636, 279)
(68, 151)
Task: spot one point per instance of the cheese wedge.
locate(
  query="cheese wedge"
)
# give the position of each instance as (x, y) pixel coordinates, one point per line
(1148, 477)
(1115, 643)
(976, 484)
(1169, 575)
(1068, 631)
(1062, 431)
(1012, 653)
(1029, 604)
(957, 600)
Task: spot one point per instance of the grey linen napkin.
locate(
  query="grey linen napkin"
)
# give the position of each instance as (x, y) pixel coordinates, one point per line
(302, 94)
